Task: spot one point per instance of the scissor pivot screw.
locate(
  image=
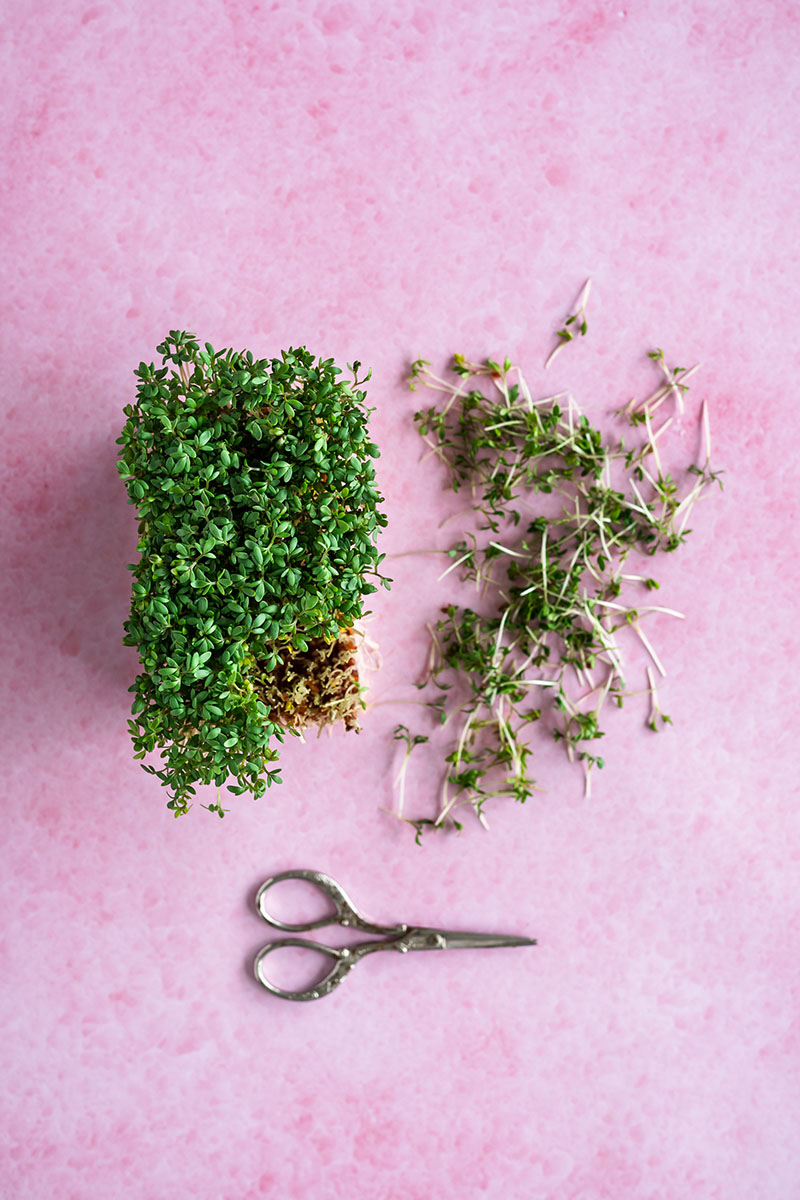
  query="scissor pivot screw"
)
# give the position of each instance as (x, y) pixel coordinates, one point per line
(344, 952)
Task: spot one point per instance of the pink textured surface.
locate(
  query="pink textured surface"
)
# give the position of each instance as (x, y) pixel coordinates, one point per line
(382, 181)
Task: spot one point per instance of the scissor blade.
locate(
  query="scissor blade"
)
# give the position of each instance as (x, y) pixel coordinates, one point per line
(447, 939)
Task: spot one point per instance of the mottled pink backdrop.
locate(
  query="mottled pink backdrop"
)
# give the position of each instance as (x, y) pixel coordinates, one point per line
(382, 181)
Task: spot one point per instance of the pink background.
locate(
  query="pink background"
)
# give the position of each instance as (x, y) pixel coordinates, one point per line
(382, 181)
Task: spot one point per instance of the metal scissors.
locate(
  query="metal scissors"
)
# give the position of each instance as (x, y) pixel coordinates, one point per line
(395, 937)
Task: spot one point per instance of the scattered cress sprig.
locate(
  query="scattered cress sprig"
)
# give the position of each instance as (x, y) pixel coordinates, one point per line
(403, 734)
(574, 324)
(553, 591)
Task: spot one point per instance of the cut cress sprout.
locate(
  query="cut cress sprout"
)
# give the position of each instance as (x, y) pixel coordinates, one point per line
(402, 734)
(575, 323)
(553, 590)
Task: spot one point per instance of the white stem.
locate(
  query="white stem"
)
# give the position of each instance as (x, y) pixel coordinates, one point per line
(652, 442)
(649, 648)
(434, 449)
(432, 652)
(657, 398)
(456, 392)
(500, 383)
(523, 387)
(674, 390)
(682, 525)
(462, 740)
(649, 478)
(454, 516)
(523, 666)
(651, 402)
(505, 550)
(608, 642)
(513, 470)
(434, 382)
(496, 655)
(401, 779)
(602, 699)
(675, 381)
(555, 351)
(678, 398)
(607, 470)
(568, 574)
(707, 432)
(506, 736)
(550, 399)
(600, 522)
(653, 696)
(644, 509)
(637, 508)
(689, 499)
(453, 566)
(670, 612)
(515, 420)
(447, 803)
(583, 299)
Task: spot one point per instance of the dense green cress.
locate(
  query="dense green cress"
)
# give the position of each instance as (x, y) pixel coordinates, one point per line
(258, 514)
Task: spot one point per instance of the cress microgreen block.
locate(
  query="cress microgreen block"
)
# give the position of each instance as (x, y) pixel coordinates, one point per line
(258, 514)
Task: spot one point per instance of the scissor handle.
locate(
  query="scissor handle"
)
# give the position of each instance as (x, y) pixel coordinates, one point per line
(346, 958)
(345, 912)
(342, 966)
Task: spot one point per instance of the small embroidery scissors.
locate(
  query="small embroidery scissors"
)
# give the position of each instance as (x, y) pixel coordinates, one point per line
(395, 937)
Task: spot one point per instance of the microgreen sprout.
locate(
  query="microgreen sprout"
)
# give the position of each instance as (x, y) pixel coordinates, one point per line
(548, 637)
(258, 514)
(402, 734)
(574, 325)
(656, 713)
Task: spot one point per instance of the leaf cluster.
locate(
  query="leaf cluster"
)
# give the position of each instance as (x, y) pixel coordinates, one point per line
(258, 514)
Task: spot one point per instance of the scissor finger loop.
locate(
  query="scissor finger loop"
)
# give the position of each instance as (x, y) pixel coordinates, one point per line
(342, 966)
(342, 913)
(345, 912)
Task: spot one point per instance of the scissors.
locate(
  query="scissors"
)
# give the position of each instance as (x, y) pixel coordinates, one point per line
(395, 937)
